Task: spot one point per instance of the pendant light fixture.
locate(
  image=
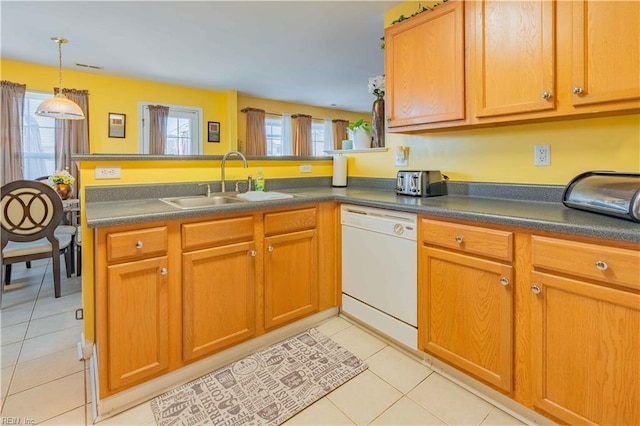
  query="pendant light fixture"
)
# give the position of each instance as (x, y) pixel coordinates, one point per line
(60, 107)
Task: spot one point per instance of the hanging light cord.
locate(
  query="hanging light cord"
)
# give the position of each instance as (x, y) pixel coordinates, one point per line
(59, 40)
(59, 63)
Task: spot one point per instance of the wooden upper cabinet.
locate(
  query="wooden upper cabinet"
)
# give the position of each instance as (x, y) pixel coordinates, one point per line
(605, 51)
(513, 63)
(424, 66)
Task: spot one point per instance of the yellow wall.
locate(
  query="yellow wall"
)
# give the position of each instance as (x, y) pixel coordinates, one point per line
(505, 154)
(122, 95)
(169, 171)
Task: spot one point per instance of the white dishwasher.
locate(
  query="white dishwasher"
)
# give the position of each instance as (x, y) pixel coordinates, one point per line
(379, 270)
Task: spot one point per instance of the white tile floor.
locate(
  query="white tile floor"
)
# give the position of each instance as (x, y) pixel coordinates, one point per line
(43, 381)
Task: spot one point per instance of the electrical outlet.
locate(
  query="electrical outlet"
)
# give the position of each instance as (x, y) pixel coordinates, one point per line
(305, 168)
(542, 155)
(108, 172)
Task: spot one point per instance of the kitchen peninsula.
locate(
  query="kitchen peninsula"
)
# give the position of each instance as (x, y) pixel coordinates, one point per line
(550, 246)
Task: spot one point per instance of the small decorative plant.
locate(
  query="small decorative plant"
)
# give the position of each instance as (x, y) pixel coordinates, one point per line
(62, 176)
(360, 124)
(376, 86)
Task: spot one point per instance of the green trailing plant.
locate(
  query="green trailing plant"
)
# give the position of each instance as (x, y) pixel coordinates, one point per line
(360, 124)
(403, 18)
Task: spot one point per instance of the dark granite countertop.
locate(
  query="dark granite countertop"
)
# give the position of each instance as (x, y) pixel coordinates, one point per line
(548, 216)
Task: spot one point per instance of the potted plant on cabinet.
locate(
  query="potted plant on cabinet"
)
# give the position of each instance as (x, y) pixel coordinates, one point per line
(360, 134)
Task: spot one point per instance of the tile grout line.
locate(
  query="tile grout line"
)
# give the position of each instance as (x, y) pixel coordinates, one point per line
(15, 365)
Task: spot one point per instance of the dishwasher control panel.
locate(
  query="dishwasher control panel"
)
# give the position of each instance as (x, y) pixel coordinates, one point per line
(390, 222)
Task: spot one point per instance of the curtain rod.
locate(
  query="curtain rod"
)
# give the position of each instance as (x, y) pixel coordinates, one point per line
(281, 114)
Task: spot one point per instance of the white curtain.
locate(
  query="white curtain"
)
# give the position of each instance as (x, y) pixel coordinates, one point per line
(287, 135)
(328, 134)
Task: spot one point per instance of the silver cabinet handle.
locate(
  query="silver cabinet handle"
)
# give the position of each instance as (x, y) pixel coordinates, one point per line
(253, 253)
(163, 271)
(535, 289)
(602, 265)
(504, 281)
(546, 95)
(459, 239)
(577, 90)
(139, 244)
(270, 249)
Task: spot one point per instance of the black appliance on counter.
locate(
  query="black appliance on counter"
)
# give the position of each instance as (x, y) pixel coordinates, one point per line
(611, 193)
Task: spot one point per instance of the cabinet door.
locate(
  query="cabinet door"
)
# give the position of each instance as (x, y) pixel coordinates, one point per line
(290, 277)
(424, 67)
(466, 314)
(514, 57)
(137, 318)
(586, 349)
(606, 51)
(218, 298)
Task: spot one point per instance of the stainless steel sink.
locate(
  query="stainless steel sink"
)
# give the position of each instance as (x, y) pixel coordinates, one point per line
(201, 201)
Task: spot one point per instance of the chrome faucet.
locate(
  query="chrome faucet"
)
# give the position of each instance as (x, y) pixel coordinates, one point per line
(208, 194)
(224, 159)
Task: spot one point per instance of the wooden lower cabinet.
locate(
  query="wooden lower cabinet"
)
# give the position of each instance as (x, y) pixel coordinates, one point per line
(466, 314)
(551, 320)
(290, 277)
(133, 306)
(585, 331)
(137, 310)
(170, 293)
(586, 349)
(218, 298)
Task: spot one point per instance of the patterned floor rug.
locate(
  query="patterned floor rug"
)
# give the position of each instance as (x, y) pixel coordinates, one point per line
(264, 388)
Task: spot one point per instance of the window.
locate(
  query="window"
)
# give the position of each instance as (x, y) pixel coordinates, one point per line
(38, 138)
(273, 130)
(184, 126)
(279, 144)
(317, 137)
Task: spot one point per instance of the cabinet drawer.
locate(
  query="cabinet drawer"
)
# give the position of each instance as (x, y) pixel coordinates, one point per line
(469, 239)
(137, 244)
(609, 264)
(289, 221)
(217, 232)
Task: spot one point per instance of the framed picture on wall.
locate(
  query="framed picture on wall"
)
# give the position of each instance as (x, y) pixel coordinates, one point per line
(213, 131)
(117, 125)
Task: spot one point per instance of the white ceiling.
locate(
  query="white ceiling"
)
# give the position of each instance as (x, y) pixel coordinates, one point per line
(311, 52)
